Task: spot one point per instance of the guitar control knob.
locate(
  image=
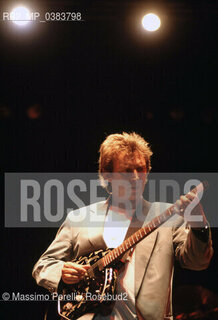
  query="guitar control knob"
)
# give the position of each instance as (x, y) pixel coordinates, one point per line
(68, 306)
(78, 297)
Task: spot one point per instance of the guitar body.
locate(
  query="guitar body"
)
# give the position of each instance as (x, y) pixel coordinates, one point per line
(91, 293)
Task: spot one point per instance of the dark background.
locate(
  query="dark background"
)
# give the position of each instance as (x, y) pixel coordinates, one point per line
(66, 85)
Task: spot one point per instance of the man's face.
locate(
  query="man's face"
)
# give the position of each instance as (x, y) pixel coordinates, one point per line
(129, 176)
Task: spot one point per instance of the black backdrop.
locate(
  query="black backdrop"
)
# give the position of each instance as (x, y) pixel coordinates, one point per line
(93, 78)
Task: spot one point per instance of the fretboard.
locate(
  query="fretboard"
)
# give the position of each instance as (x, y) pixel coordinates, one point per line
(139, 235)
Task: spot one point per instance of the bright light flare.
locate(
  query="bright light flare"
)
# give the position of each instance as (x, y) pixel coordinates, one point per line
(20, 16)
(151, 22)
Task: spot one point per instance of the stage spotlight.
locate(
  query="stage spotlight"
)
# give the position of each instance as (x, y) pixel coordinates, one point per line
(151, 22)
(20, 16)
(34, 111)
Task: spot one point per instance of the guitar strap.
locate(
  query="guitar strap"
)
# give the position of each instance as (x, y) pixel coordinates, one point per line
(136, 223)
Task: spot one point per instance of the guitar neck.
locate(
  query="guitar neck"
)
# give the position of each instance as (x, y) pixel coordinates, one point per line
(140, 234)
(135, 238)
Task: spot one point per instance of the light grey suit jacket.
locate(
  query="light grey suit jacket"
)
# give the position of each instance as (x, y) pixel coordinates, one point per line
(154, 256)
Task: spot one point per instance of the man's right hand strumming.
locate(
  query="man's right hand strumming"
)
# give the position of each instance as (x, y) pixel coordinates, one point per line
(73, 272)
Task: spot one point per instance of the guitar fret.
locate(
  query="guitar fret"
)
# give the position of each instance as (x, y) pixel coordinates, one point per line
(112, 254)
(140, 233)
(133, 239)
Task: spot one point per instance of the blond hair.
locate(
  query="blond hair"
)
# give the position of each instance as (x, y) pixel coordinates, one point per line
(116, 143)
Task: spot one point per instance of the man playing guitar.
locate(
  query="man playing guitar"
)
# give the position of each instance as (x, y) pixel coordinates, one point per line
(146, 278)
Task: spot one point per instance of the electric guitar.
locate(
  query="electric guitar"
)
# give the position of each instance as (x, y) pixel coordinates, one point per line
(99, 282)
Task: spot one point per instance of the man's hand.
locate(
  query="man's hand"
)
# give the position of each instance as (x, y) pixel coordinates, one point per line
(192, 210)
(73, 272)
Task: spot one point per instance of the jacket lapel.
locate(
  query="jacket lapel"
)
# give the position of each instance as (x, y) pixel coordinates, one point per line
(143, 254)
(95, 231)
(144, 249)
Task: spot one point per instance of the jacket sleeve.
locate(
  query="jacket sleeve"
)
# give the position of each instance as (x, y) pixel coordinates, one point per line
(191, 252)
(48, 270)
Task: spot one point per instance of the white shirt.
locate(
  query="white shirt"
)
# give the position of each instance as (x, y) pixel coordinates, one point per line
(115, 228)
